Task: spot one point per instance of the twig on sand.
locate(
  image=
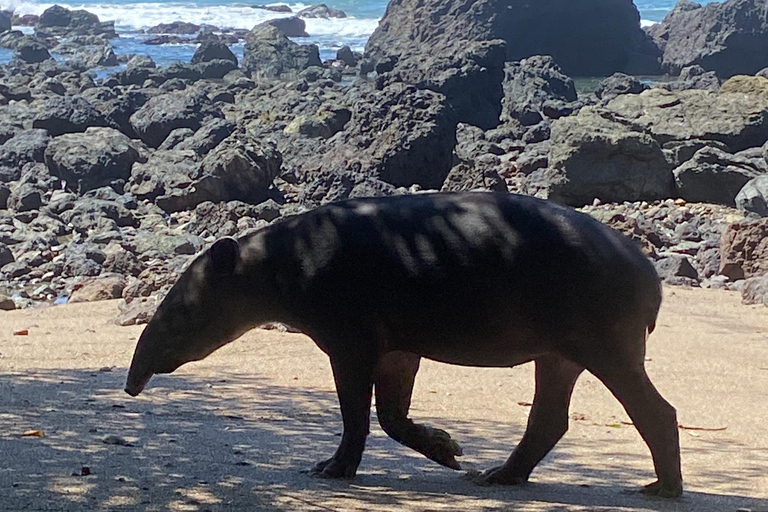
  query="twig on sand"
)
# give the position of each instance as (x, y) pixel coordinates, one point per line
(703, 429)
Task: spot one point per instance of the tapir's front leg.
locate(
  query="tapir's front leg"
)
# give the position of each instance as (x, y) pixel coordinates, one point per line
(354, 385)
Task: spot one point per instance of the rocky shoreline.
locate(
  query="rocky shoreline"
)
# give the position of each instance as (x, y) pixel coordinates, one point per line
(109, 185)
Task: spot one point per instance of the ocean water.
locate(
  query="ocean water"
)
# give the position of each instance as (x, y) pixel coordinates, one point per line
(135, 16)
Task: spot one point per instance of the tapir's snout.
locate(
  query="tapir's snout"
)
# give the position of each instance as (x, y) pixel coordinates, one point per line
(138, 375)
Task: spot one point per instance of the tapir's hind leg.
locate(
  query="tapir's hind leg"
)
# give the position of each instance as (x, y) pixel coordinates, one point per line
(547, 423)
(394, 379)
(655, 419)
(354, 382)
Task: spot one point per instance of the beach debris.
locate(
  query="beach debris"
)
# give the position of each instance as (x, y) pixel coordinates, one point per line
(21, 332)
(33, 433)
(115, 440)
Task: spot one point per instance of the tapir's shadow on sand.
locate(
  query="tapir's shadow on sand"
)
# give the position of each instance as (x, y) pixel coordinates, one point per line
(238, 443)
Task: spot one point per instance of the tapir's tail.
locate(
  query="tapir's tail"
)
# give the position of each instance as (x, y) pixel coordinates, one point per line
(654, 304)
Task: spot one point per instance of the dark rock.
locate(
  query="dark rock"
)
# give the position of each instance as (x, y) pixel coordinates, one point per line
(291, 27)
(714, 176)
(598, 44)
(730, 37)
(618, 84)
(137, 312)
(465, 177)
(5, 193)
(6, 256)
(31, 52)
(738, 120)
(221, 219)
(207, 137)
(273, 8)
(744, 249)
(531, 83)
(163, 114)
(177, 27)
(755, 291)
(5, 20)
(680, 151)
(675, 266)
(321, 11)
(327, 122)
(333, 186)
(213, 50)
(400, 135)
(25, 197)
(216, 69)
(61, 22)
(79, 260)
(596, 155)
(347, 56)
(753, 197)
(175, 138)
(15, 93)
(92, 215)
(468, 73)
(25, 147)
(15, 270)
(268, 52)
(68, 114)
(167, 39)
(93, 159)
(25, 20)
(117, 105)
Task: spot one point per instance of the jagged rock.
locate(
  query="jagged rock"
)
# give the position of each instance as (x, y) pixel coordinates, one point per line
(221, 219)
(291, 27)
(268, 52)
(534, 88)
(693, 77)
(674, 267)
(755, 291)
(31, 52)
(213, 50)
(321, 11)
(332, 186)
(597, 155)
(163, 114)
(5, 20)
(753, 197)
(5, 193)
(618, 84)
(93, 159)
(60, 21)
(730, 37)
(598, 44)
(714, 176)
(744, 249)
(347, 56)
(24, 147)
(465, 177)
(400, 135)
(680, 151)
(117, 105)
(206, 138)
(737, 120)
(137, 312)
(6, 256)
(68, 114)
(326, 122)
(177, 27)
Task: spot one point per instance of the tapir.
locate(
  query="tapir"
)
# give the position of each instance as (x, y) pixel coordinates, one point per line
(474, 279)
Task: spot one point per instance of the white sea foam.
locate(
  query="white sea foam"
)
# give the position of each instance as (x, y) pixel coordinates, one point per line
(647, 23)
(141, 16)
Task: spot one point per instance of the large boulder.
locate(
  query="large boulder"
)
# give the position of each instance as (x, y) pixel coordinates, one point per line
(586, 38)
(5, 20)
(400, 135)
(468, 73)
(163, 114)
(755, 290)
(736, 119)
(176, 27)
(596, 155)
(239, 168)
(744, 249)
(714, 176)
(31, 52)
(268, 52)
(292, 26)
(96, 158)
(61, 22)
(321, 11)
(729, 37)
(68, 114)
(24, 147)
(213, 50)
(535, 87)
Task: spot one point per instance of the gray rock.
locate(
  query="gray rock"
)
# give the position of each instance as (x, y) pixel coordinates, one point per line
(603, 36)
(753, 197)
(734, 118)
(213, 50)
(693, 77)
(31, 52)
(596, 155)
(25, 147)
(5, 193)
(618, 84)
(162, 114)
(207, 137)
(291, 27)
(729, 37)
(674, 266)
(177, 27)
(98, 157)
(714, 176)
(6, 256)
(532, 83)
(332, 186)
(680, 151)
(321, 11)
(755, 290)
(5, 20)
(68, 114)
(268, 52)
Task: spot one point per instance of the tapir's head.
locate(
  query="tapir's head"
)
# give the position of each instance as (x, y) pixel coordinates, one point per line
(205, 310)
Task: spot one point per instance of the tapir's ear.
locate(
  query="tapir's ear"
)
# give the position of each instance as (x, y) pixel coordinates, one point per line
(223, 256)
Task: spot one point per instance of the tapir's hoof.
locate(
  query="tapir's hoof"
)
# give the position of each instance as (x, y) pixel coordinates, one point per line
(499, 476)
(442, 449)
(664, 489)
(332, 468)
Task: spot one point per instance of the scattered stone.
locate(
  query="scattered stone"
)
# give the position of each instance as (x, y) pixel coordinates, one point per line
(99, 288)
(114, 440)
(755, 290)
(744, 249)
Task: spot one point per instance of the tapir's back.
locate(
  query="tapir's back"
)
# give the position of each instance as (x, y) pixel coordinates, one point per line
(456, 265)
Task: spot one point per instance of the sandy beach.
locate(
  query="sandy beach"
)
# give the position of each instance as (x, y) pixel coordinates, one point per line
(233, 432)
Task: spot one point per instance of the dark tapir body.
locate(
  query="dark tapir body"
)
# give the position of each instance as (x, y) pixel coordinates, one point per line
(472, 279)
